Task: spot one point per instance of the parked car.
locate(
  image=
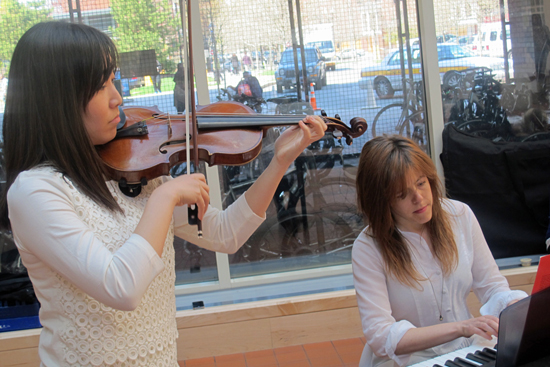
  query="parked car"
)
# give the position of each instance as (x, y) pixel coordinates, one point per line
(386, 77)
(122, 84)
(350, 53)
(492, 41)
(315, 67)
(474, 44)
(136, 82)
(447, 38)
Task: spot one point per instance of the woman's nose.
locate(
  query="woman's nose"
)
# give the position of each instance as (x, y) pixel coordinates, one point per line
(116, 99)
(417, 197)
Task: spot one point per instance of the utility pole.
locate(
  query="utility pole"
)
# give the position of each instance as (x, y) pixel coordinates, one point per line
(74, 10)
(298, 44)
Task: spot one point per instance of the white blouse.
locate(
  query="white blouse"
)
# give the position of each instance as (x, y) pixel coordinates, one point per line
(389, 309)
(106, 297)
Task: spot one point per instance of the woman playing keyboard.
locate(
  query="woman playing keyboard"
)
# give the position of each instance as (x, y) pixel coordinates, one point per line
(417, 260)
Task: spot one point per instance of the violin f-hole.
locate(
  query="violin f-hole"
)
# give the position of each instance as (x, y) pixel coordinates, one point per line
(170, 142)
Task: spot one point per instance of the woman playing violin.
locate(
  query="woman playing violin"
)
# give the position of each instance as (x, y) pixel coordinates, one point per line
(102, 263)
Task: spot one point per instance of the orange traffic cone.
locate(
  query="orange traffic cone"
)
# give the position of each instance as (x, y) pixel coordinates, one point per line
(312, 99)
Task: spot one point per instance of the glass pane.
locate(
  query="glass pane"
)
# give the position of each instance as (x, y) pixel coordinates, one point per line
(148, 63)
(313, 218)
(496, 96)
(348, 50)
(353, 69)
(193, 263)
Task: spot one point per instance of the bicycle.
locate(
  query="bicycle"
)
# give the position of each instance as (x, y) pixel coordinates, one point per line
(230, 94)
(291, 105)
(406, 118)
(482, 113)
(316, 216)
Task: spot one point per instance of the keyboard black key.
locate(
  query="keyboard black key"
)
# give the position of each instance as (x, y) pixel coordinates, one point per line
(489, 355)
(491, 352)
(450, 363)
(475, 358)
(437, 365)
(484, 357)
(465, 363)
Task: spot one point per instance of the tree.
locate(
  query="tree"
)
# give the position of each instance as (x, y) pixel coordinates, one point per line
(16, 18)
(146, 25)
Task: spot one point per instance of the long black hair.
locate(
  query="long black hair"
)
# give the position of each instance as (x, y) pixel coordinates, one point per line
(55, 71)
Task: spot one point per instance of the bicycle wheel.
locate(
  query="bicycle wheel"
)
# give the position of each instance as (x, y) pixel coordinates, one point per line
(452, 79)
(414, 128)
(300, 108)
(388, 120)
(331, 193)
(323, 237)
(326, 152)
(264, 244)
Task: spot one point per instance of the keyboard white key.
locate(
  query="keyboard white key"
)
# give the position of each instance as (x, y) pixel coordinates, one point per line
(440, 360)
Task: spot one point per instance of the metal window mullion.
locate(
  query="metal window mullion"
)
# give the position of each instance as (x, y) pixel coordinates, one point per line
(222, 260)
(432, 80)
(203, 98)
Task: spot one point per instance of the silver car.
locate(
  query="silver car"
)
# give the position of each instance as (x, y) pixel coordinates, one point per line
(385, 78)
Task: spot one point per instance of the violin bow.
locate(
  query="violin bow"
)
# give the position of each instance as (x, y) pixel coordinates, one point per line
(192, 211)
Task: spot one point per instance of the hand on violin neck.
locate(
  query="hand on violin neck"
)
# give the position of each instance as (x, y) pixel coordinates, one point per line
(288, 147)
(294, 140)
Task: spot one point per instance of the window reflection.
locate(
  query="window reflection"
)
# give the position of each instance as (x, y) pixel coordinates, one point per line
(498, 107)
(313, 218)
(500, 95)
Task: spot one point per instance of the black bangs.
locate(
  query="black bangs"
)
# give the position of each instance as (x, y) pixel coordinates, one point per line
(90, 68)
(101, 64)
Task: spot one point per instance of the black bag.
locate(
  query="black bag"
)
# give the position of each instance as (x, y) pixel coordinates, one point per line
(15, 286)
(507, 185)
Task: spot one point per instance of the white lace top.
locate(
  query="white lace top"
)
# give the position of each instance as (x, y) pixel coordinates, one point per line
(107, 298)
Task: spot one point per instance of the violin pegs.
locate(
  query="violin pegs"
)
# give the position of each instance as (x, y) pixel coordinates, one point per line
(323, 113)
(337, 116)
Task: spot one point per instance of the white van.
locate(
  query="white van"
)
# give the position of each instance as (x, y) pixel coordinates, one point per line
(491, 39)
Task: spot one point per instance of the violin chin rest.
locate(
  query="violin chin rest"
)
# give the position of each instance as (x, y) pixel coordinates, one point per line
(122, 115)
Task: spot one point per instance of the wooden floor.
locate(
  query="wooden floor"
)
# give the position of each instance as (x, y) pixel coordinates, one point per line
(338, 353)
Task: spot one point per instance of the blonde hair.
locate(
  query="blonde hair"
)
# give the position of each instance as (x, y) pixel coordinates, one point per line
(382, 174)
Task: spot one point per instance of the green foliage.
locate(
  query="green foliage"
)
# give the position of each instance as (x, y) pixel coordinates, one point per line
(16, 18)
(146, 25)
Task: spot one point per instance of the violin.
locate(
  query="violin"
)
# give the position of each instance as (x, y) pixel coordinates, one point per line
(229, 133)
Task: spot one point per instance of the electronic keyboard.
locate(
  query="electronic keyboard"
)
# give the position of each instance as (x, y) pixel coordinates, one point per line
(472, 356)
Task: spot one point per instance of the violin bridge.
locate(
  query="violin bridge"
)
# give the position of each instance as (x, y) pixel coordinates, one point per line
(169, 127)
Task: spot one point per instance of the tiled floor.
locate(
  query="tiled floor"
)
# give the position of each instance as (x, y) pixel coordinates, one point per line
(338, 353)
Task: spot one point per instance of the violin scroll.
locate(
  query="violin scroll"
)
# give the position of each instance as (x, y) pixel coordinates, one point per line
(358, 126)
